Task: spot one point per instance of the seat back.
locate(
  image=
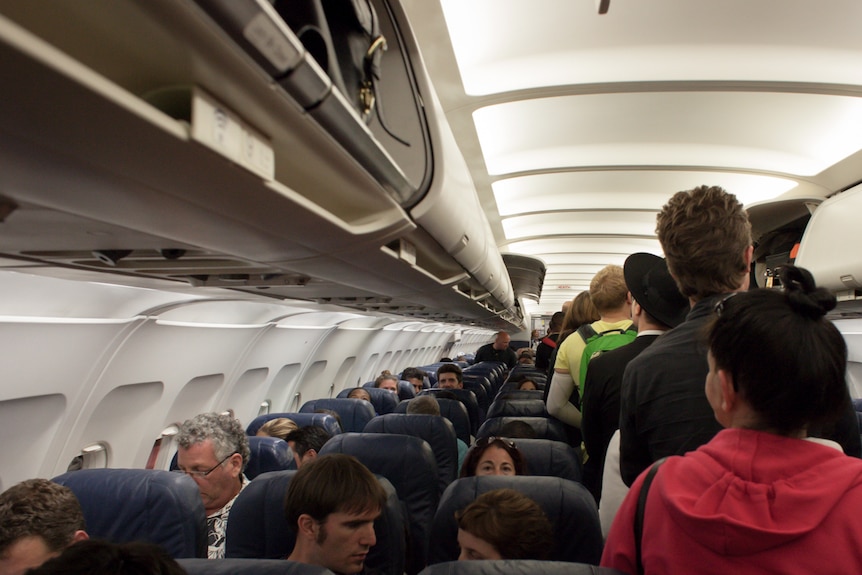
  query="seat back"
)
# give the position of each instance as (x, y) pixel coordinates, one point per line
(518, 408)
(545, 427)
(324, 420)
(382, 400)
(355, 413)
(408, 463)
(405, 391)
(258, 528)
(568, 505)
(551, 458)
(250, 567)
(454, 411)
(268, 454)
(438, 432)
(151, 505)
(516, 567)
(468, 398)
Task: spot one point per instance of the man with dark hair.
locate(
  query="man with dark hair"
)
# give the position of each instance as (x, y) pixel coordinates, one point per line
(498, 350)
(706, 238)
(416, 377)
(450, 376)
(213, 450)
(332, 503)
(306, 442)
(548, 344)
(38, 520)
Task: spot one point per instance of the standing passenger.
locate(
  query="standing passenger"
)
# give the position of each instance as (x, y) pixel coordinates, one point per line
(213, 450)
(762, 496)
(657, 306)
(706, 238)
(498, 351)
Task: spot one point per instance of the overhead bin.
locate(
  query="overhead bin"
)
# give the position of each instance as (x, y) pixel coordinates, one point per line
(830, 246)
(101, 170)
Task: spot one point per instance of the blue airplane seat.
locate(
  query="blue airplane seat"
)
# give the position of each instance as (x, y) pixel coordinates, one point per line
(454, 411)
(569, 506)
(468, 398)
(354, 413)
(438, 432)
(405, 391)
(161, 507)
(545, 427)
(518, 408)
(495, 371)
(258, 528)
(324, 420)
(520, 394)
(550, 458)
(268, 454)
(249, 567)
(516, 567)
(383, 401)
(408, 463)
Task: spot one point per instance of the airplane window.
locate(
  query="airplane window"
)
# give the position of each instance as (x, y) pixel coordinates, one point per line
(163, 448)
(296, 403)
(265, 407)
(94, 456)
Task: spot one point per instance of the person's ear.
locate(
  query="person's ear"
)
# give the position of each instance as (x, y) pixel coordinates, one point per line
(80, 536)
(748, 255)
(307, 526)
(729, 395)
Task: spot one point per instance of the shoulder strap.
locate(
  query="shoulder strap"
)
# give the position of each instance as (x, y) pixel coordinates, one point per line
(639, 513)
(586, 331)
(549, 342)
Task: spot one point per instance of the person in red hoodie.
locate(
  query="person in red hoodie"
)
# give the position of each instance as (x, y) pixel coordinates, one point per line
(761, 496)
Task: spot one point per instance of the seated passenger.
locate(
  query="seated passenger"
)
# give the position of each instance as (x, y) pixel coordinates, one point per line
(306, 442)
(504, 524)
(387, 381)
(428, 405)
(494, 456)
(527, 384)
(332, 503)
(516, 429)
(416, 377)
(106, 558)
(279, 427)
(450, 376)
(359, 393)
(761, 496)
(526, 356)
(38, 520)
(213, 450)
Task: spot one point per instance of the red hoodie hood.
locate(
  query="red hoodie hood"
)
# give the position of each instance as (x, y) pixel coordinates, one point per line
(748, 491)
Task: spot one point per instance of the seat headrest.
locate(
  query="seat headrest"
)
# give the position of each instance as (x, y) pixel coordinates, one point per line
(354, 413)
(551, 458)
(516, 567)
(382, 400)
(258, 528)
(250, 567)
(468, 398)
(437, 431)
(123, 505)
(569, 506)
(533, 407)
(545, 428)
(454, 411)
(324, 420)
(268, 454)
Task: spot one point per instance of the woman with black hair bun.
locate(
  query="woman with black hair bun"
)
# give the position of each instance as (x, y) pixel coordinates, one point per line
(762, 496)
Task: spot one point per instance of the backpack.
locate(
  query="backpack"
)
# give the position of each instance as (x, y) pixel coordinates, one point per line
(598, 343)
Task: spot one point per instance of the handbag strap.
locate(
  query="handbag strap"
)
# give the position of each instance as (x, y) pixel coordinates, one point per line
(639, 512)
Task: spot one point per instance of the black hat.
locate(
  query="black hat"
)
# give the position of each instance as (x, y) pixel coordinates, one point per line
(654, 289)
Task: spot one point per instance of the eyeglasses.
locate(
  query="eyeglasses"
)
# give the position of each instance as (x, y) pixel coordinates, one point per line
(722, 303)
(200, 474)
(504, 440)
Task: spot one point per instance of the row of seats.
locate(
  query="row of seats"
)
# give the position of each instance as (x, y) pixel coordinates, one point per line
(274, 567)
